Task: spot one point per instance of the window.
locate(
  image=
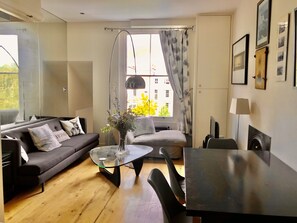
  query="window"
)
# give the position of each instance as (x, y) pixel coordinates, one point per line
(151, 66)
(9, 73)
(167, 94)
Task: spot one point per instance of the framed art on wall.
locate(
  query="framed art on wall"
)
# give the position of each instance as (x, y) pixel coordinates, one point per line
(261, 68)
(282, 47)
(263, 23)
(240, 51)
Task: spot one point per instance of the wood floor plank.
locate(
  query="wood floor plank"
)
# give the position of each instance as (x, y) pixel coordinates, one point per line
(81, 194)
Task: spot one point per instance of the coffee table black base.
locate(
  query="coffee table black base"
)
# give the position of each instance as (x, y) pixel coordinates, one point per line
(115, 177)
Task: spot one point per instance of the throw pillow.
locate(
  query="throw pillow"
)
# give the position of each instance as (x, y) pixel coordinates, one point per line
(24, 154)
(61, 135)
(144, 125)
(72, 127)
(44, 138)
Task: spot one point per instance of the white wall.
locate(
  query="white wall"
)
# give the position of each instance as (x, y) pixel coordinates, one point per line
(273, 111)
(53, 68)
(80, 86)
(54, 100)
(90, 42)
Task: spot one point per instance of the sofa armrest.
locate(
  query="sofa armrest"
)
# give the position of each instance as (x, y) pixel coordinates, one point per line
(12, 146)
(130, 137)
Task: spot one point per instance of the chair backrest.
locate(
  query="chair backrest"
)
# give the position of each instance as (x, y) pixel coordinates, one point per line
(174, 176)
(222, 143)
(258, 140)
(170, 205)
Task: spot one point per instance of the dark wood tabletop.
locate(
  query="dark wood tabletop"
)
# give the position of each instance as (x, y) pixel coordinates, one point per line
(239, 186)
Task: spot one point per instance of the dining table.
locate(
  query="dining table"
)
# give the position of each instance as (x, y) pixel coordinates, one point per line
(224, 185)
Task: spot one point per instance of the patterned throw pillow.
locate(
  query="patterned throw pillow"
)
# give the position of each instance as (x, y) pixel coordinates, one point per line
(72, 126)
(44, 138)
(61, 135)
(24, 154)
(144, 125)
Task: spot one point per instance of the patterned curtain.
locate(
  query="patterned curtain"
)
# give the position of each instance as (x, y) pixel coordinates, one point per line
(175, 50)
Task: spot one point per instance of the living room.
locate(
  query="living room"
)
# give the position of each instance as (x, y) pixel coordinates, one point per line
(85, 47)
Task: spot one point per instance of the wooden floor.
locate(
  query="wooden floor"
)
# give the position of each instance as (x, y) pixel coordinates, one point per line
(81, 194)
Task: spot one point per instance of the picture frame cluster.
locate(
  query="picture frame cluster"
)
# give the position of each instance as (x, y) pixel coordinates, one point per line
(262, 40)
(240, 49)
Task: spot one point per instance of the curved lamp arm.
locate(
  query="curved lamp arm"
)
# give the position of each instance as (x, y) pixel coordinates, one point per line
(10, 55)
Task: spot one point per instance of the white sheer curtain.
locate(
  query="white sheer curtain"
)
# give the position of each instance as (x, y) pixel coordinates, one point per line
(175, 50)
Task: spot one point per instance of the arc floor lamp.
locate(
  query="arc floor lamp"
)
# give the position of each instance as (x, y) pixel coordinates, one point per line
(133, 82)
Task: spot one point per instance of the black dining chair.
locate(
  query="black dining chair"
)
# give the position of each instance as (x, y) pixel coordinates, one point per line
(177, 182)
(221, 143)
(173, 210)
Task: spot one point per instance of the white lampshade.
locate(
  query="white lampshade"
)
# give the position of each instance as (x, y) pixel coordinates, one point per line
(240, 106)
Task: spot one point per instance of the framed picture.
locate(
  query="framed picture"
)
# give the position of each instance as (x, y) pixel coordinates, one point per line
(263, 23)
(261, 68)
(282, 47)
(240, 55)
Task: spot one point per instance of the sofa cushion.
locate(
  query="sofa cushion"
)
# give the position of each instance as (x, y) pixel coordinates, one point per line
(21, 131)
(162, 138)
(61, 135)
(44, 138)
(80, 141)
(72, 126)
(144, 125)
(40, 162)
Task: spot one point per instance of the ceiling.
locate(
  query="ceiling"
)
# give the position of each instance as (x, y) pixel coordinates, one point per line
(125, 10)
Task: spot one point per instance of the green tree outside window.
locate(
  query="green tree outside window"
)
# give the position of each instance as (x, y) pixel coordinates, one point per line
(145, 106)
(9, 87)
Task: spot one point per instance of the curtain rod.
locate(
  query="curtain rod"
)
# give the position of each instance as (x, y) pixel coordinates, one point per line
(131, 28)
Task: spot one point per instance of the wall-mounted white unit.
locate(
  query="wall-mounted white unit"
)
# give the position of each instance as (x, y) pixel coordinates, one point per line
(29, 10)
(212, 75)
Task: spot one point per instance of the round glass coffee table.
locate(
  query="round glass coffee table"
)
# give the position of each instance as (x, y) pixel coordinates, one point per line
(105, 157)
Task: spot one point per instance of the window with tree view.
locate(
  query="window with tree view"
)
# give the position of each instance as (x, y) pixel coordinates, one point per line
(157, 97)
(9, 72)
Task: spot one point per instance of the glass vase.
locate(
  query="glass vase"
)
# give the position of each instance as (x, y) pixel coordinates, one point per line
(122, 143)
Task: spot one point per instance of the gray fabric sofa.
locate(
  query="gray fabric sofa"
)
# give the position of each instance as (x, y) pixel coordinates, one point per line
(41, 166)
(172, 140)
(8, 116)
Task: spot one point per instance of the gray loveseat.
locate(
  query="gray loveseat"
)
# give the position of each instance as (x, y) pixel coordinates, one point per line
(41, 166)
(172, 140)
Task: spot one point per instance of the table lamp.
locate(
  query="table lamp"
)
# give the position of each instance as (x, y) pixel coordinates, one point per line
(239, 106)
